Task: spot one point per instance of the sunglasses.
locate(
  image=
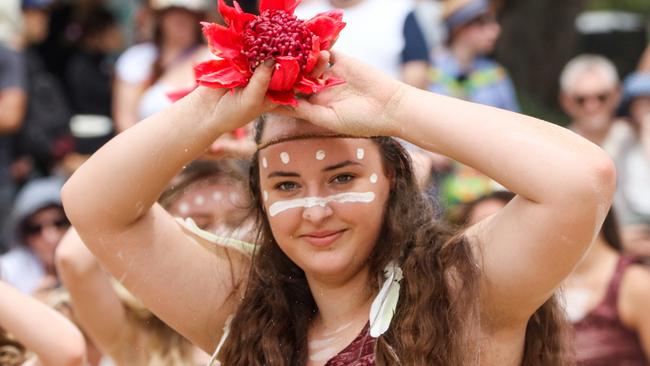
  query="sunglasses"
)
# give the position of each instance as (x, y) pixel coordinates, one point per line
(33, 229)
(581, 100)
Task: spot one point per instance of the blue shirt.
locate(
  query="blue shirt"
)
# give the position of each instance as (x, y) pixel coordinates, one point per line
(485, 82)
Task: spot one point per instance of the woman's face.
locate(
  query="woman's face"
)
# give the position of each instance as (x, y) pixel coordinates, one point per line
(481, 34)
(324, 198)
(218, 207)
(179, 26)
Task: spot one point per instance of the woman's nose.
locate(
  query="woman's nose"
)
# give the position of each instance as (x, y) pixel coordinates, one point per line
(317, 213)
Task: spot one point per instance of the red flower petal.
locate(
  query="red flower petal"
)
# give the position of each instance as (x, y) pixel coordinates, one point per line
(312, 59)
(285, 73)
(234, 16)
(282, 97)
(307, 85)
(180, 94)
(327, 27)
(287, 5)
(223, 42)
(219, 74)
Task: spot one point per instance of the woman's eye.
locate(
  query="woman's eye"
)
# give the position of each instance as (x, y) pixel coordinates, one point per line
(287, 186)
(342, 178)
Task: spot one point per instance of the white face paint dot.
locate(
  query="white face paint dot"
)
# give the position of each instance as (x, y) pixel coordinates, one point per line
(373, 178)
(184, 208)
(266, 196)
(216, 196)
(320, 155)
(284, 157)
(360, 153)
(199, 200)
(265, 163)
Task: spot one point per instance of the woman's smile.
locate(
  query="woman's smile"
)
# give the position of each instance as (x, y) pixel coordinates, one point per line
(322, 238)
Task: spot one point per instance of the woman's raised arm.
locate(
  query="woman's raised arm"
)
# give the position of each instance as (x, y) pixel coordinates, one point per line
(41, 329)
(564, 183)
(111, 199)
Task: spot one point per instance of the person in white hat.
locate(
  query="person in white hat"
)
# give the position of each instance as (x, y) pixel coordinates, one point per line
(147, 72)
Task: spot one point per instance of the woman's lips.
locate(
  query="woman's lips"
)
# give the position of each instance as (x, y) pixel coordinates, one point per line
(322, 238)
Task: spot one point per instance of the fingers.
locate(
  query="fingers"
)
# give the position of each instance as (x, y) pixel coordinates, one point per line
(322, 64)
(305, 110)
(259, 83)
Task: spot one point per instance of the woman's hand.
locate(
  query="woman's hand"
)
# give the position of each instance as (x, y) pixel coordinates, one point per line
(363, 106)
(234, 109)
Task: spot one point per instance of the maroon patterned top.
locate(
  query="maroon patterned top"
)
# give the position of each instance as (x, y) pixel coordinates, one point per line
(361, 352)
(601, 337)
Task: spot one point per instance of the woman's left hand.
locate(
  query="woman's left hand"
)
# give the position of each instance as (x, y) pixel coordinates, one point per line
(363, 106)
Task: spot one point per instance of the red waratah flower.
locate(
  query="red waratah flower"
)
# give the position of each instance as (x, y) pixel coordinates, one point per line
(276, 34)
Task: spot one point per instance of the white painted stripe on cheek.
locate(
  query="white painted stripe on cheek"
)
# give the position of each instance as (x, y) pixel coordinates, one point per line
(307, 202)
(266, 196)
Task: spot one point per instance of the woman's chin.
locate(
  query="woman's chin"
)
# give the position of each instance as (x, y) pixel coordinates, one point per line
(329, 267)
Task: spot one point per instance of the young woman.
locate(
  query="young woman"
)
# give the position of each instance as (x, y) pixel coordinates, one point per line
(147, 72)
(607, 299)
(338, 213)
(38, 335)
(113, 318)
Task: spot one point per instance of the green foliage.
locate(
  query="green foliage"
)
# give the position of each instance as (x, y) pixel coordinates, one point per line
(636, 6)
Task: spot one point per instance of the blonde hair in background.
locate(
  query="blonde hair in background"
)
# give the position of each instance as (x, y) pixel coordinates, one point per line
(166, 347)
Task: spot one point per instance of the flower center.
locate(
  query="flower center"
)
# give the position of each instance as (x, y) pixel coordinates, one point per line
(276, 33)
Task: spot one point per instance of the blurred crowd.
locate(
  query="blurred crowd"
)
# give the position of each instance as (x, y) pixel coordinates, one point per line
(74, 74)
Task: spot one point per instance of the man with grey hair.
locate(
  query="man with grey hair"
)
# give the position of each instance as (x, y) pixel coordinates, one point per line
(590, 92)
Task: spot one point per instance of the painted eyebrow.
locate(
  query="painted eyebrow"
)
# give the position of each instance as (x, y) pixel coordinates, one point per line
(326, 169)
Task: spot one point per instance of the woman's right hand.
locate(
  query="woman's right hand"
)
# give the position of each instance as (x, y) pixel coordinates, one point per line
(234, 109)
(363, 106)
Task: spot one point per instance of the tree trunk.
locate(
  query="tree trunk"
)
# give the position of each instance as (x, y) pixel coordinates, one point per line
(538, 38)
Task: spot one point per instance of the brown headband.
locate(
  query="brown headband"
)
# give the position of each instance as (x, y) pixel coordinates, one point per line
(306, 136)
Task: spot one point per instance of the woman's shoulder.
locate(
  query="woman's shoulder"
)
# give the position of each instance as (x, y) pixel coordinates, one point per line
(134, 65)
(634, 294)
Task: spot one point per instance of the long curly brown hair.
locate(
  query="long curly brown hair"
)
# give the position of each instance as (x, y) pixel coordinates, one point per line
(12, 353)
(436, 321)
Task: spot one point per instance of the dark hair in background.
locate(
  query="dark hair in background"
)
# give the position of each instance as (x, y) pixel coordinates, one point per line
(96, 21)
(436, 320)
(465, 211)
(158, 39)
(610, 231)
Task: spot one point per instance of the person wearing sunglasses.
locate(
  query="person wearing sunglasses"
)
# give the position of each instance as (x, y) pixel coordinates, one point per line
(462, 69)
(633, 162)
(590, 92)
(37, 224)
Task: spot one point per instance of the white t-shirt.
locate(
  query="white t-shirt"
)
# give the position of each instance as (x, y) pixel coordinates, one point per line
(374, 32)
(136, 63)
(135, 66)
(20, 268)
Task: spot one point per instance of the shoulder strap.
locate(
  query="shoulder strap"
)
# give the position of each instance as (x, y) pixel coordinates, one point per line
(240, 245)
(611, 296)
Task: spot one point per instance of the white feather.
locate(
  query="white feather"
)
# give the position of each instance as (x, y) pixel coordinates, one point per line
(383, 306)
